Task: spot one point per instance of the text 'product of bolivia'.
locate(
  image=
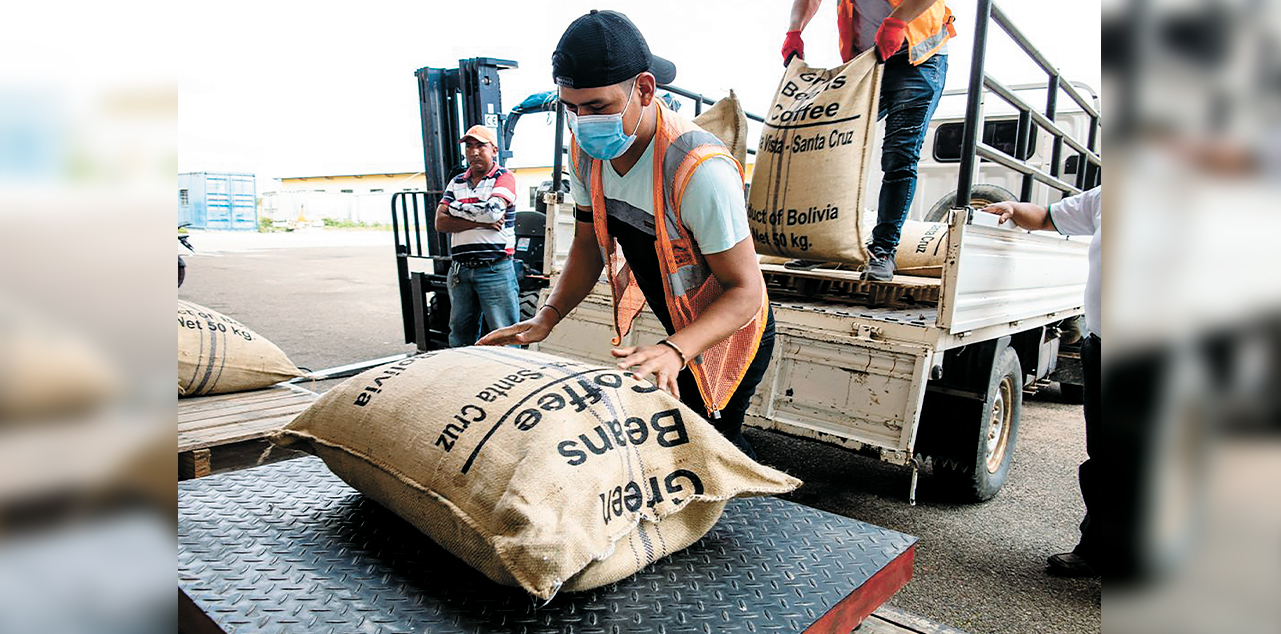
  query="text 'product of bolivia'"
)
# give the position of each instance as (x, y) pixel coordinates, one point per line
(538, 471)
(807, 187)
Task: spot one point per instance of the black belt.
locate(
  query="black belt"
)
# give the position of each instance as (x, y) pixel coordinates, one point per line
(475, 264)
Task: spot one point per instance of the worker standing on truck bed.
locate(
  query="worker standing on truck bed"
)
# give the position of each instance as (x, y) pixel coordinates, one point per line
(479, 208)
(661, 208)
(910, 37)
(1082, 214)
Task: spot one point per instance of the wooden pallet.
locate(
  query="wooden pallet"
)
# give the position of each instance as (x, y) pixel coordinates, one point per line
(905, 291)
(888, 619)
(228, 431)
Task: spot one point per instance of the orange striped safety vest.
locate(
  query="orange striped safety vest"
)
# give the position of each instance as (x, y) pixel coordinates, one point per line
(925, 35)
(689, 287)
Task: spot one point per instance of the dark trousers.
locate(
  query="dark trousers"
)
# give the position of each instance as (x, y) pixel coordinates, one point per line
(1093, 538)
(730, 424)
(1116, 479)
(909, 95)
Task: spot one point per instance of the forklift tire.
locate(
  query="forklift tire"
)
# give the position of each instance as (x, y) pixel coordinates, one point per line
(528, 305)
(980, 196)
(982, 459)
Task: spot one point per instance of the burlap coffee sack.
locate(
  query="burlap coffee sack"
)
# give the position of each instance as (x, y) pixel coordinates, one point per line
(536, 470)
(922, 248)
(726, 121)
(218, 355)
(921, 251)
(807, 187)
(49, 370)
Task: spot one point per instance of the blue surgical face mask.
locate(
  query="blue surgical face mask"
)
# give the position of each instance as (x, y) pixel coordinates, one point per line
(601, 136)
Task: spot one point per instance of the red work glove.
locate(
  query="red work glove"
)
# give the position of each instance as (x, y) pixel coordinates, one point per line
(792, 45)
(889, 38)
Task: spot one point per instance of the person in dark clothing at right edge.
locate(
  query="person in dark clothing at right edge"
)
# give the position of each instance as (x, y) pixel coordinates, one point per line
(910, 37)
(1082, 214)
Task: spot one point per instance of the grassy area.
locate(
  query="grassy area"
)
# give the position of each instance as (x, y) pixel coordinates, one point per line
(331, 223)
(267, 225)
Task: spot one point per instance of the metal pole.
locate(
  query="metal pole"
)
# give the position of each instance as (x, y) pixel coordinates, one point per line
(1051, 110)
(1022, 151)
(973, 106)
(557, 162)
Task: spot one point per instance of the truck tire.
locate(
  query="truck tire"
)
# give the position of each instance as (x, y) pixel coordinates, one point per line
(437, 317)
(980, 196)
(978, 467)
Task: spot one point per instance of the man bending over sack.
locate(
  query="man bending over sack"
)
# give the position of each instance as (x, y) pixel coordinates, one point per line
(693, 262)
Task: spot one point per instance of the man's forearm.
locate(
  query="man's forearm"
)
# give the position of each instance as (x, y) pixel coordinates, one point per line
(446, 223)
(731, 311)
(1032, 217)
(488, 212)
(802, 12)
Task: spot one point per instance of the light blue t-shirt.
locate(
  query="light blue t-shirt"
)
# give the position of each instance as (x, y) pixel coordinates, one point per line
(713, 208)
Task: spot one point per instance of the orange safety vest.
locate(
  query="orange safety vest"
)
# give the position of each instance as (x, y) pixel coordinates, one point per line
(925, 35)
(689, 287)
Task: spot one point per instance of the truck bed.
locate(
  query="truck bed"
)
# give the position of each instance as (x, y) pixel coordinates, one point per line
(849, 287)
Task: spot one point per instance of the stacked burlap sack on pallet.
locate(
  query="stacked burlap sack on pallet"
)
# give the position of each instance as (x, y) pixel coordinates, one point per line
(808, 185)
(219, 355)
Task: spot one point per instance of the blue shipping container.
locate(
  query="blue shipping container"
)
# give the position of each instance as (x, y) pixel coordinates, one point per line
(210, 200)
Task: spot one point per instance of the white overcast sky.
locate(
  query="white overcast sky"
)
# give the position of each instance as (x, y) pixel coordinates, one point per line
(303, 88)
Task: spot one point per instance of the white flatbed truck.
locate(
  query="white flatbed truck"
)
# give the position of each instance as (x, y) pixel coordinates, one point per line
(914, 369)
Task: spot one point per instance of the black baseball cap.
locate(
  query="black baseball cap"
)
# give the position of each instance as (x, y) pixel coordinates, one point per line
(604, 48)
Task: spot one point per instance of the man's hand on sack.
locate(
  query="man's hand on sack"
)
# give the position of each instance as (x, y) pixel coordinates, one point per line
(661, 361)
(529, 331)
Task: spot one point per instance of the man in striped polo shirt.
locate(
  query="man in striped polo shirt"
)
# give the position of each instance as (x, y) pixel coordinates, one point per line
(479, 209)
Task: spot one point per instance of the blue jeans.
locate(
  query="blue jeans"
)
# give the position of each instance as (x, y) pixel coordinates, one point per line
(490, 290)
(909, 95)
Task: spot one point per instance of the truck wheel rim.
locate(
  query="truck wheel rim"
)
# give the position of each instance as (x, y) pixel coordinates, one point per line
(998, 427)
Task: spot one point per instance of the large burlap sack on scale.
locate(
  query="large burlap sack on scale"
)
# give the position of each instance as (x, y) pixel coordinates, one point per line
(807, 187)
(538, 471)
(726, 121)
(219, 355)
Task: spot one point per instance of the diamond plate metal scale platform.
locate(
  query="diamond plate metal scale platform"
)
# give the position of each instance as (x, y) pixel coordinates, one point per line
(289, 547)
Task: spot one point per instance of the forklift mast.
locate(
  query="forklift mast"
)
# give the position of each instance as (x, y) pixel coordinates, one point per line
(451, 100)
